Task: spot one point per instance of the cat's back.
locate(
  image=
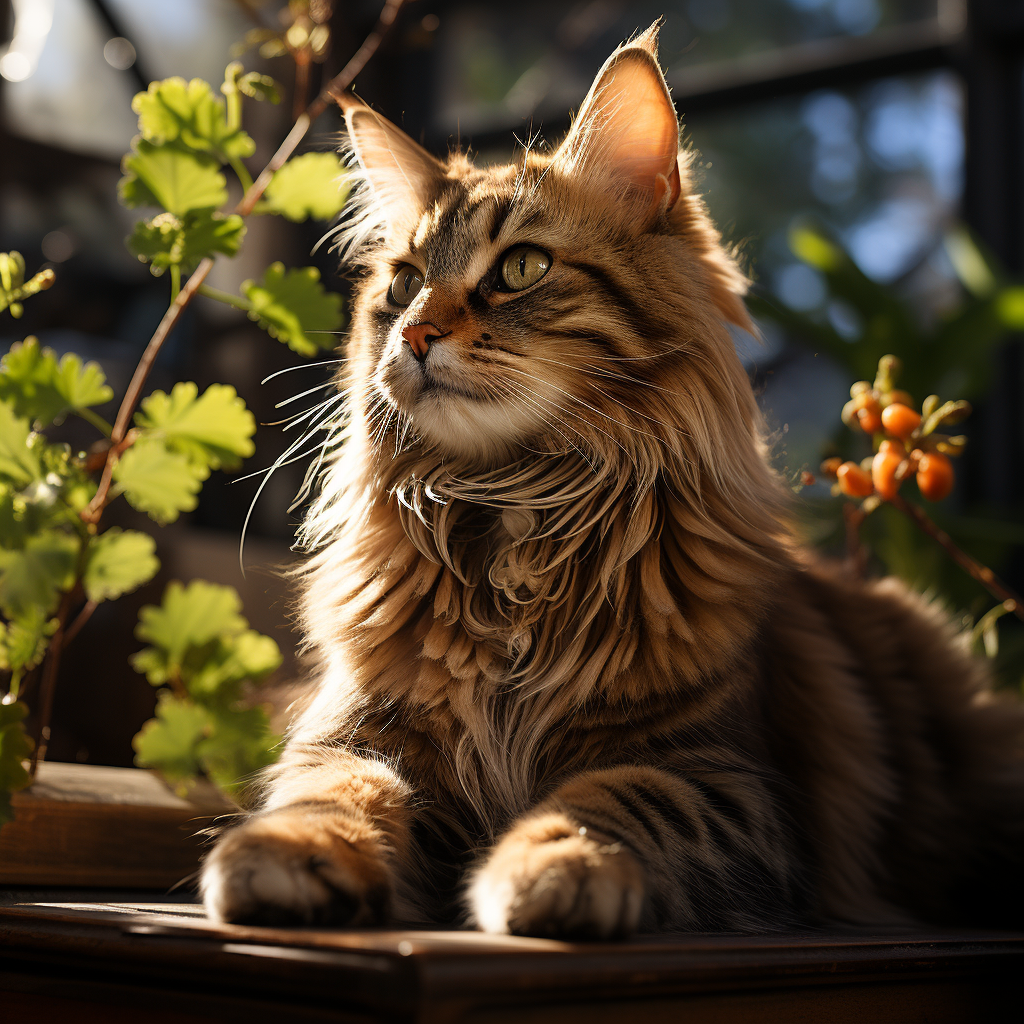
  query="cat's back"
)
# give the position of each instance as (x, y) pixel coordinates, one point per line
(909, 770)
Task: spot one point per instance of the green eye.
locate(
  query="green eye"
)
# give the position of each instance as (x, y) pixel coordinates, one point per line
(524, 266)
(407, 282)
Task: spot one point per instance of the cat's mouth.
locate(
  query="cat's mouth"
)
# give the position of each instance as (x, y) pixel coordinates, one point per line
(449, 407)
(433, 386)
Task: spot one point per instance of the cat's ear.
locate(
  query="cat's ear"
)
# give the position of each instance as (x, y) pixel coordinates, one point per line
(402, 175)
(626, 136)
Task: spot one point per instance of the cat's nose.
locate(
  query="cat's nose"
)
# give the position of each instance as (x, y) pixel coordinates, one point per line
(419, 337)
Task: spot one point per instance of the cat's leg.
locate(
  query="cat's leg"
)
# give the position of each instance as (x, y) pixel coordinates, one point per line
(615, 850)
(326, 846)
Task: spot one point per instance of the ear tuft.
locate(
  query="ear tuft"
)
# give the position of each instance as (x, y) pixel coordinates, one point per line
(403, 177)
(626, 136)
(648, 39)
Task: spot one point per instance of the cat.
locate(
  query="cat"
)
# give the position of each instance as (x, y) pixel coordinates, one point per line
(577, 677)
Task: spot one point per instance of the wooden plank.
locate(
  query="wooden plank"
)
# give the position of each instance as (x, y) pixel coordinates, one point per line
(433, 975)
(90, 825)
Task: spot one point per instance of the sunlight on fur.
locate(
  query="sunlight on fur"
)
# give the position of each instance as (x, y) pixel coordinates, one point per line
(575, 676)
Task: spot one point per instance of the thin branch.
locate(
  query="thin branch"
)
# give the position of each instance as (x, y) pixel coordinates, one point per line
(334, 88)
(301, 84)
(985, 576)
(49, 685)
(80, 620)
(856, 552)
(341, 81)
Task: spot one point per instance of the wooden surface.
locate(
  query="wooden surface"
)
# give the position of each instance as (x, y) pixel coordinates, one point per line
(86, 825)
(69, 956)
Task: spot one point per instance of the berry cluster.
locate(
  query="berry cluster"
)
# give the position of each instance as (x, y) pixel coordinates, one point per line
(907, 442)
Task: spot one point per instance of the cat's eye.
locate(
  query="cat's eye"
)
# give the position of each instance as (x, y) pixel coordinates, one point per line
(524, 266)
(407, 282)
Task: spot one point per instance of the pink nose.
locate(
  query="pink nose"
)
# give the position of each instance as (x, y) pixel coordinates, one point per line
(419, 337)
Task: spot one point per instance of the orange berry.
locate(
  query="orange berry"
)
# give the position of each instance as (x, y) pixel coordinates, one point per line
(934, 476)
(903, 397)
(900, 420)
(830, 467)
(854, 481)
(807, 478)
(889, 445)
(869, 416)
(883, 473)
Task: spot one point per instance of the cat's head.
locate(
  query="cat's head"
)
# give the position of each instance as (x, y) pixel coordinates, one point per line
(574, 300)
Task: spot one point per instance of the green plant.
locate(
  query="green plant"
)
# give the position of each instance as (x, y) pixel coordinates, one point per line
(950, 355)
(58, 561)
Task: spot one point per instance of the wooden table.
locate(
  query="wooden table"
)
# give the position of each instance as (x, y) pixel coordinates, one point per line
(101, 956)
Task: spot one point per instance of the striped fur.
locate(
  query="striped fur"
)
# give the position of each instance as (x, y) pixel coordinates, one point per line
(576, 677)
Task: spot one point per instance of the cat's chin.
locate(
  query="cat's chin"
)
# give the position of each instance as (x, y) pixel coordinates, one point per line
(481, 431)
(461, 424)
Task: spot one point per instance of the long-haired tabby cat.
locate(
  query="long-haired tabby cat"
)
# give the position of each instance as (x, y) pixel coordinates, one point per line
(577, 677)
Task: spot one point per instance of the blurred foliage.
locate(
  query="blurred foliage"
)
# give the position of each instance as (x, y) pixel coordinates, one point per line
(953, 355)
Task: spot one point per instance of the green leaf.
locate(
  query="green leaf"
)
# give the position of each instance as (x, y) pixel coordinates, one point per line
(118, 562)
(212, 431)
(81, 386)
(813, 248)
(230, 660)
(15, 747)
(170, 742)
(259, 87)
(24, 639)
(190, 616)
(24, 513)
(239, 745)
(43, 389)
(189, 113)
(18, 462)
(158, 481)
(166, 240)
(176, 179)
(970, 264)
(152, 663)
(295, 308)
(27, 380)
(34, 576)
(306, 186)
(1009, 307)
(212, 671)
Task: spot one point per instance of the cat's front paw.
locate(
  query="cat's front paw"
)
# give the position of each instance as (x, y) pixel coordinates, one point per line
(294, 868)
(550, 878)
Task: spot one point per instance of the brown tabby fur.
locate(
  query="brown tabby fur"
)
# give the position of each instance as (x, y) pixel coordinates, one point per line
(577, 677)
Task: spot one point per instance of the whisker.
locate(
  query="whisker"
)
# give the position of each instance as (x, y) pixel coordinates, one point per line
(327, 408)
(592, 408)
(302, 394)
(303, 366)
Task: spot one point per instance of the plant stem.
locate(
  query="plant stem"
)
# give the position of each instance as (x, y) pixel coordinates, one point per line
(49, 685)
(333, 89)
(175, 280)
(301, 83)
(80, 620)
(341, 81)
(232, 300)
(985, 576)
(96, 420)
(243, 175)
(856, 553)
